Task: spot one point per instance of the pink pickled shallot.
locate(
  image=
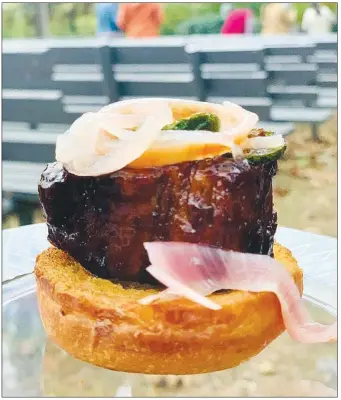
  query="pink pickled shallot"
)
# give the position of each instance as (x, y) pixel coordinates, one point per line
(194, 271)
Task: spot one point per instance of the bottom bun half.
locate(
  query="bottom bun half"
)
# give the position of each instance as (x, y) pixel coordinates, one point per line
(102, 323)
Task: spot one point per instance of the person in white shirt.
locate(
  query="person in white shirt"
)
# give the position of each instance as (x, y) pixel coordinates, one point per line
(318, 19)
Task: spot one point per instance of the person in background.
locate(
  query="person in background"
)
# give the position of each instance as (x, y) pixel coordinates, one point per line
(138, 20)
(278, 18)
(106, 14)
(225, 9)
(318, 19)
(237, 21)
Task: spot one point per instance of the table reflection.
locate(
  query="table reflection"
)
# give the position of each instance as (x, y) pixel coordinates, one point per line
(33, 366)
(23, 348)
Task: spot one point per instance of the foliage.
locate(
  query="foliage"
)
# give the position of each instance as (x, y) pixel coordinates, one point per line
(255, 7)
(17, 21)
(72, 19)
(177, 14)
(67, 19)
(210, 24)
(301, 7)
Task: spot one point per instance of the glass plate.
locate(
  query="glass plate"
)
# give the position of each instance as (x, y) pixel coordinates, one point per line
(34, 367)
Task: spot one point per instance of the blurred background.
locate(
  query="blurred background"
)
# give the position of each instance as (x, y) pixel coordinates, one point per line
(24, 20)
(60, 60)
(276, 59)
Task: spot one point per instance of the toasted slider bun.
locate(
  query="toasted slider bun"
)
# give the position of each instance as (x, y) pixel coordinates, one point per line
(102, 323)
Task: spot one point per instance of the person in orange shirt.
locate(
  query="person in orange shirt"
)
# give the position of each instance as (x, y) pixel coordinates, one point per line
(140, 19)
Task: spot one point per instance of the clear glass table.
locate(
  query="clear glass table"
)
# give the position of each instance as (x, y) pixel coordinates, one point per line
(33, 366)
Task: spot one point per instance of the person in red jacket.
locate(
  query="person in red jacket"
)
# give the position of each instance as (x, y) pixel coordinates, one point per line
(238, 21)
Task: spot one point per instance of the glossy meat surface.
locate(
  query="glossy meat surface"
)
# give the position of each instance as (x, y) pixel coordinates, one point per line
(103, 221)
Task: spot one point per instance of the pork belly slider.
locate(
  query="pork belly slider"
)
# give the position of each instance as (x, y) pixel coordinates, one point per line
(142, 174)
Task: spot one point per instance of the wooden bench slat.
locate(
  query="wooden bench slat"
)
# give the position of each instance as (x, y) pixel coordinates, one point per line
(54, 81)
(21, 177)
(292, 114)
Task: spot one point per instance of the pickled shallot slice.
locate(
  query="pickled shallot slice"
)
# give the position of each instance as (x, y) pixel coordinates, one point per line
(94, 144)
(81, 139)
(179, 137)
(264, 142)
(244, 121)
(194, 271)
(93, 147)
(236, 124)
(141, 108)
(110, 155)
(236, 121)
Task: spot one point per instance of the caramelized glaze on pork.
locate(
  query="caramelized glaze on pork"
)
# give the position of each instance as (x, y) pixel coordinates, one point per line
(102, 222)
